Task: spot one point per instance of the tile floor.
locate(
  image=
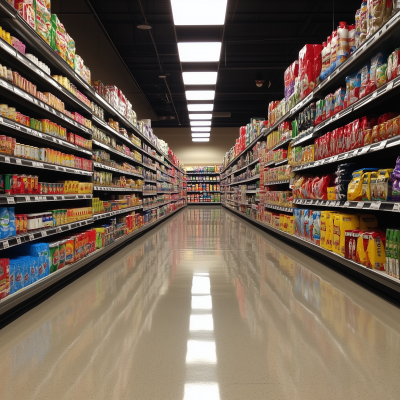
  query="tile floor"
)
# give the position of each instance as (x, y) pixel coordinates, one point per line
(205, 306)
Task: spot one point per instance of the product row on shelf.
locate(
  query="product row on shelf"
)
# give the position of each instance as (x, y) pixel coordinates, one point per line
(330, 152)
(55, 117)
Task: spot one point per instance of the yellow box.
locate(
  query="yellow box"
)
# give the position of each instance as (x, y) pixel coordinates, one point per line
(331, 193)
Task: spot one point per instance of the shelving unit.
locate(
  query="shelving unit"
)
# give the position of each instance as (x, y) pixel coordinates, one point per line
(380, 155)
(197, 192)
(149, 161)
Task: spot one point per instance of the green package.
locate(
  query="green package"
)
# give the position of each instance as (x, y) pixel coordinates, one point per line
(388, 251)
(395, 254)
(54, 256)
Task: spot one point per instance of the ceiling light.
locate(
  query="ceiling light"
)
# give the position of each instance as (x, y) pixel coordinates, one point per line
(199, 12)
(200, 123)
(200, 78)
(200, 116)
(200, 107)
(200, 140)
(199, 51)
(201, 129)
(145, 26)
(200, 94)
(200, 135)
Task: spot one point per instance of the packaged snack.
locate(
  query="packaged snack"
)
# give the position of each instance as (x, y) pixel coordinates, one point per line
(71, 50)
(4, 222)
(58, 37)
(375, 254)
(330, 220)
(4, 277)
(381, 75)
(339, 97)
(376, 62)
(364, 80)
(316, 230)
(384, 184)
(366, 186)
(376, 12)
(343, 50)
(353, 83)
(342, 223)
(373, 186)
(42, 18)
(334, 48)
(354, 192)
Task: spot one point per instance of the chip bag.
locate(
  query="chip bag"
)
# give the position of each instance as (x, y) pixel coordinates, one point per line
(42, 18)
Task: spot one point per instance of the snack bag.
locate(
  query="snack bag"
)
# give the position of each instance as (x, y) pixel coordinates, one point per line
(58, 37)
(376, 62)
(361, 247)
(364, 80)
(381, 75)
(354, 191)
(366, 186)
(353, 83)
(339, 97)
(42, 18)
(376, 12)
(330, 220)
(323, 229)
(352, 39)
(373, 186)
(384, 184)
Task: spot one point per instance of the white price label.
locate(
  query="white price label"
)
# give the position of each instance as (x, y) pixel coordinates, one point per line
(334, 158)
(58, 230)
(7, 159)
(396, 207)
(375, 205)
(360, 204)
(382, 145)
(374, 94)
(345, 155)
(6, 245)
(347, 204)
(355, 152)
(31, 237)
(10, 200)
(389, 86)
(44, 233)
(18, 240)
(27, 198)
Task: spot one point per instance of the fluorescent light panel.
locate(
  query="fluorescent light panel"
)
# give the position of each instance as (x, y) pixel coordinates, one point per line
(200, 140)
(200, 107)
(199, 12)
(200, 78)
(200, 123)
(200, 135)
(200, 94)
(199, 51)
(201, 129)
(200, 116)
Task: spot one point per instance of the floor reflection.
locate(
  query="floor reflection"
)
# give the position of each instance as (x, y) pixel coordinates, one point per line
(206, 306)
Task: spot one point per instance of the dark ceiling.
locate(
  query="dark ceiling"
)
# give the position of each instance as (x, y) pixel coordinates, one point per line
(259, 36)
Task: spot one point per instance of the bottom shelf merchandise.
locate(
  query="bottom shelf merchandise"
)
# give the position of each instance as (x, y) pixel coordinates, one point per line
(32, 262)
(204, 198)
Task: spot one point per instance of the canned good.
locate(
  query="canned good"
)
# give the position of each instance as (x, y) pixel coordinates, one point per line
(36, 152)
(12, 113)
(43, 155)
(27, 151)
(17, 151)
(22, 150)
(9, 145)
(4, 110)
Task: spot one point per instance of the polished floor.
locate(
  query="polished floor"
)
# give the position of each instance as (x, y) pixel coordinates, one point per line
(205, 307)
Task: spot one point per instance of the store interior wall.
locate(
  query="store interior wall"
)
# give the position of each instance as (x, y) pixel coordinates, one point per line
(98, 54)
(199, 154)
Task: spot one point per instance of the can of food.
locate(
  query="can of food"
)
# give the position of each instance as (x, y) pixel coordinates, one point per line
(17, 150)
(12, 113)
(9, 145)
(27, 152)
(36, 156)
(22, 150)
(13, 144)
(35, 184)
(4, 110)
(43, 155)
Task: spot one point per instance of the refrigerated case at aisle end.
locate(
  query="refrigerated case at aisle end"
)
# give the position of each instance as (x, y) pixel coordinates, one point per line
(329, 165)
(203, 185)
(81, 176)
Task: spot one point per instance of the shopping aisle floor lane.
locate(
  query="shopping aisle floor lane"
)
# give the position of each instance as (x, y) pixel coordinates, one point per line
(205, 306)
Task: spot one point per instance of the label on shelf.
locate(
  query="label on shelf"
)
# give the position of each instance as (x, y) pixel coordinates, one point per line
(6, 245)
(347, 204)
(10, 200)
(375, 205)
(18, 240)
(396, 207)
(360, 204)
(43, 233)
(31, 237)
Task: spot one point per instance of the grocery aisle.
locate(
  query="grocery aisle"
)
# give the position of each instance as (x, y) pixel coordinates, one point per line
(205, 306)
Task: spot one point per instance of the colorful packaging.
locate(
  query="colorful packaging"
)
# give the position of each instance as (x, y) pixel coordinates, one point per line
(58, 37)
(323, 229)
(42, 18)
(316, 229)
(366, 185)
(4, 277)
(342, 223)
(375, 254)
(384, 184)
(330, 221)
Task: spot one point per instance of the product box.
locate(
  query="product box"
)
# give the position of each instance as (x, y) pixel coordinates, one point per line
(331, 193)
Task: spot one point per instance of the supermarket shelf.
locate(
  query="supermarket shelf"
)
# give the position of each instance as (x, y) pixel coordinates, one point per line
(156, 206)
(115, 189)
(120, 171)
(277, 182)
(149, 181)
(15, 128)
(379, 277)
(255, 177)
(281, 144)
(117, 212)
(359, 205)
(204, 191)
(40, 165)
(269, 163)
(395, 141)
(32, 290)
(255, 191)
(168, 192)
(194, 182)
(34, 235)
(203, 173)
(45, 81)
(296, 141)
(242, 168)
(149, 193)
(26, 198)
(206, 202)
(149, 167)
(279, 208)
(24, 98)
(104, 146)
(280, 162)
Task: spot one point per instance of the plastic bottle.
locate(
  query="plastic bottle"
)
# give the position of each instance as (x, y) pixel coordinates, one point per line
(334, 49)
(327, 60)
(342, 43)
(352, 38)
(323, 56)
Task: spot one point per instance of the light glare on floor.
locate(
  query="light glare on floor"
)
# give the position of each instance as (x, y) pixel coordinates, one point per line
(201, 303)
(200, 107)
(201, 352)
(200, 116)
(201, 129)
(199, 12)
(201, 322)
(199, 51)
(200, 284)
(200, 78)
(200, 123)
(200, 94)
(201, 391)
(200, 135)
